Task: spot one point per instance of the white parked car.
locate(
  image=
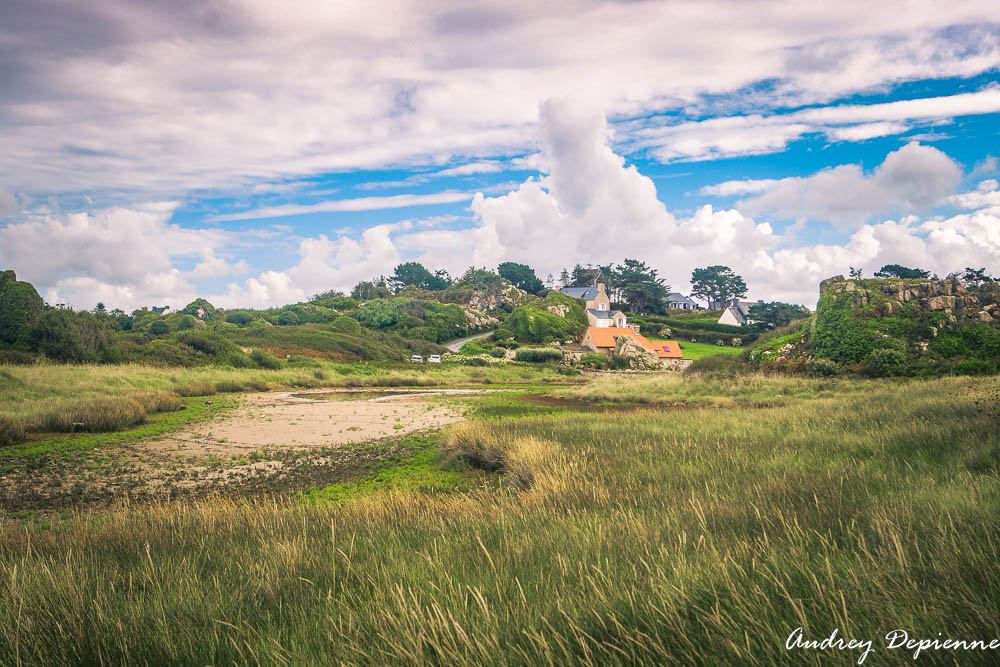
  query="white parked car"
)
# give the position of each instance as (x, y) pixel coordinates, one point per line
(416, 359)
(434, 359)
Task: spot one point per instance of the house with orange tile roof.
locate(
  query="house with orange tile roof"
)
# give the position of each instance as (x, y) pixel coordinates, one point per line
(604, 340)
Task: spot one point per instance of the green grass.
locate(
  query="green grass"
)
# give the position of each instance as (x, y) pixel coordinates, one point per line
(681, 536)
(424, 471)
(702, 350)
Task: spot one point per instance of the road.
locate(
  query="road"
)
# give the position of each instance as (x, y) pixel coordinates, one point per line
(456, 345)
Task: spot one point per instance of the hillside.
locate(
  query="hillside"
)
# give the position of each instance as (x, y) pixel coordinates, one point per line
(886, 327)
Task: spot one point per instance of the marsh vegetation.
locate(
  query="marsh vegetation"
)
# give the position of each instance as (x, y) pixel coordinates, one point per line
(700, 529)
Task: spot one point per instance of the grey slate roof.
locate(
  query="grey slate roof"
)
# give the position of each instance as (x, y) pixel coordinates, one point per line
(586, 293)
(677, 297)
(604, 314)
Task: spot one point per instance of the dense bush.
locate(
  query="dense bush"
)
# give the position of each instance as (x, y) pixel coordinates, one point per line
(265, 360)
(20, 308)
(64, 335)
(159, 328)
(288, 317)
(538, 354)
(345, 324)
(213, 345)
(240, 318)
(533, 323)
(415, 318)
(885, 363)
(187, 322)
(498, 352)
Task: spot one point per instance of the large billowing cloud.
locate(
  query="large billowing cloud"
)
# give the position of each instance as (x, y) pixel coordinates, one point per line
(910, 179)
(164, 98)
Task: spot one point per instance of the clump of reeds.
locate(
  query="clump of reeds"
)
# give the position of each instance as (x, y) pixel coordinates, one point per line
(93, 415)
(228, 386)
(11, 430)
(195, 389)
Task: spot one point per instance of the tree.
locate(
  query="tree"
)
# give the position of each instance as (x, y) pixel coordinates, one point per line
(855, 273)
(415, 274)
(774, 314)
(900, 271)
(718, 285)
(521, 276)
(99, 308)
(584, 277)
(641, 289)
(367, 290)
(976, 277)
(564, 279)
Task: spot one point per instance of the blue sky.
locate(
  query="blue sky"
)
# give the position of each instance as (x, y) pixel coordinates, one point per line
(255, 155)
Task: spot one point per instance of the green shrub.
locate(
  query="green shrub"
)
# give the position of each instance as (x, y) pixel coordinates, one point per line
(595, 361)
(20, 307)
(94, 415)
(187, 322)
(475, 361)
(538, 354)
(498, 352)
(64, 335)
(885, 363)
(228, 386)
(159, 328)
(195, 389)
(287, 318)
(346, 324)
(240, 318)
(821, 368)
(265, 360)
(12, 430)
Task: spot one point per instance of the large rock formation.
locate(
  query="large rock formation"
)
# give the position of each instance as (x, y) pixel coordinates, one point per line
(948, 296)
(637, 356)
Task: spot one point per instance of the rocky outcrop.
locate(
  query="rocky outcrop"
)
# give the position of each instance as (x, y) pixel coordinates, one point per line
(487, 300)
(946, 296)
(480, 321)
(637, 356)
(559, 310)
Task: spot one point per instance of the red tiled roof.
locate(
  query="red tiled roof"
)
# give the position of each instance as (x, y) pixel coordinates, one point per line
(606, 337)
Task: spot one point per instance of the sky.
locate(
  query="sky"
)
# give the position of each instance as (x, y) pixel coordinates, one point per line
(257, 152)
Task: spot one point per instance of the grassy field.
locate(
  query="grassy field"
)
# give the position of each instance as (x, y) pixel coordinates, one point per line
(702, 350)
(698, 534)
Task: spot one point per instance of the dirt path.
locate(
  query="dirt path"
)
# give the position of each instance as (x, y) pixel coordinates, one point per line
(456, 345)
(273, 441)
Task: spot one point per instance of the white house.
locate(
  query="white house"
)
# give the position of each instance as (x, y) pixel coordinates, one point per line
(737, 313)
(598, 305)
(681, 302)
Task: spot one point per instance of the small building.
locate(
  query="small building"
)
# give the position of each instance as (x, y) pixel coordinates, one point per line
(680, 302)
(737, 313)
(165, 310)
(598, 305)
(605, 339)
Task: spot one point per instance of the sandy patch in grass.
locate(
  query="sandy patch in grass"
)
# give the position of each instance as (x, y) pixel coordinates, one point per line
(291, 420)
(272, 442)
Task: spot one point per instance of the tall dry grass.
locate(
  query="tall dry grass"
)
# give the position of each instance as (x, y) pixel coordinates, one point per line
(659, 536)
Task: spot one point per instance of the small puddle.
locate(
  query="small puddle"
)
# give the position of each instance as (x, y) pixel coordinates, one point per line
(351, 395)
